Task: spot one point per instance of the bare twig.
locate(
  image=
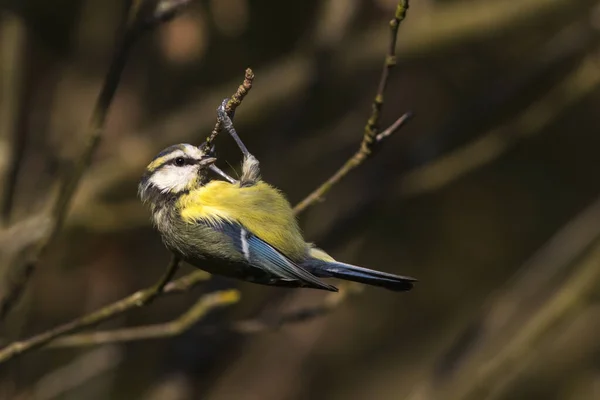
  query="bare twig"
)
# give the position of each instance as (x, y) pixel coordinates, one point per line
(197, 312)
(357, 159)
(254, 326)
(131, 30)
(159, 286)
(370, 137)
(372, 127)
(232, 104)
(132, 301)
(204, 304)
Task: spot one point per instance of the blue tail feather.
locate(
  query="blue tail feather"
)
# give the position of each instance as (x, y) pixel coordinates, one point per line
(334, 269)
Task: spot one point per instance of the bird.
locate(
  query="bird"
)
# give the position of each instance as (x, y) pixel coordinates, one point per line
(239, 228)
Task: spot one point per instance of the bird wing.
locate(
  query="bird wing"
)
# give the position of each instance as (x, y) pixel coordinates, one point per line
(261, 254)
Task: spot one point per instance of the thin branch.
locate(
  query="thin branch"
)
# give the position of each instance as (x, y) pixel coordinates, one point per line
(254, 325)
(204, 304)
(357, 159)
(390, 61)
(197, 312)
(232, 104)
(395, 127)
(135, 300)
(370, 137)
(25, 267)
(159, 286)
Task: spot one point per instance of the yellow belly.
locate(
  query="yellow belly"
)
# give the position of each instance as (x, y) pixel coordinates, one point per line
(260, 208)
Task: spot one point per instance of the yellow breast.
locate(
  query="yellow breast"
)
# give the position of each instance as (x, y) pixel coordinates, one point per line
(261, 208)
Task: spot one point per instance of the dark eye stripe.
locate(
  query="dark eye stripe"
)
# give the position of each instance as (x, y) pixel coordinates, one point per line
(177, 161)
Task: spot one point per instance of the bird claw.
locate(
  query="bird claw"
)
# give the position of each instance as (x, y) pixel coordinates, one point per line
(222, 115)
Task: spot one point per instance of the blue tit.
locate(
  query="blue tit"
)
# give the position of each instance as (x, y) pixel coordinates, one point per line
(244, 228)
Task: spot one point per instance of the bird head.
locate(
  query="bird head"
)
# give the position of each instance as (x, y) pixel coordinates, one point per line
(174, 171)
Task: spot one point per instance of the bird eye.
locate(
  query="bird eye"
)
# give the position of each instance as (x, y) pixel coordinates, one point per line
(179, 161)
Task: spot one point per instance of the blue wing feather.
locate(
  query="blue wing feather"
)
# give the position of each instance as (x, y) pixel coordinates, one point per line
(267, 257)
(260, 254)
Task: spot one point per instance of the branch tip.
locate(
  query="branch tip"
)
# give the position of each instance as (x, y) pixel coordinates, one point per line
(234, 102)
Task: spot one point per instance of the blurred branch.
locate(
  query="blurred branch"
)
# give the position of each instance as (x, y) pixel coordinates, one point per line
(135, 22)
(253, 326)
(333, 20)
(507, 358)
(130, 302)
(551, 285)
(77, 372)
(205, 304)
(559, 354)
(13, 37)
(202, 306)
(456, 23)
(371, 139)
(488, 147)
(576, 343)
(159, 286)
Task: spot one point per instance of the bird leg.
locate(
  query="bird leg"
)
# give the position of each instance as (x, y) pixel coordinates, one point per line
(250, 165)
(222, 174)
(227, 124)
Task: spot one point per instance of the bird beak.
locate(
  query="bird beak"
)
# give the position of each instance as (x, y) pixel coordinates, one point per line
(207, 161)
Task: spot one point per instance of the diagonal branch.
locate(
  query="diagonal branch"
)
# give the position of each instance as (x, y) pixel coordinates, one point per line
(132, 301)
(494, 346)
(371, 138)
(199, 310)
(204, 305)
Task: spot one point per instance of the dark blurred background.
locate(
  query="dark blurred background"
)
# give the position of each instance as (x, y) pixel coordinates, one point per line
(489, 196)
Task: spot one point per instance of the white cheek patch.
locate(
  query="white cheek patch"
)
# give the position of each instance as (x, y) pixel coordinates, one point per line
(173, 179)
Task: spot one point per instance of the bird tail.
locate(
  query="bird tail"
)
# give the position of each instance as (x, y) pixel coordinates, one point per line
(326, 267)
